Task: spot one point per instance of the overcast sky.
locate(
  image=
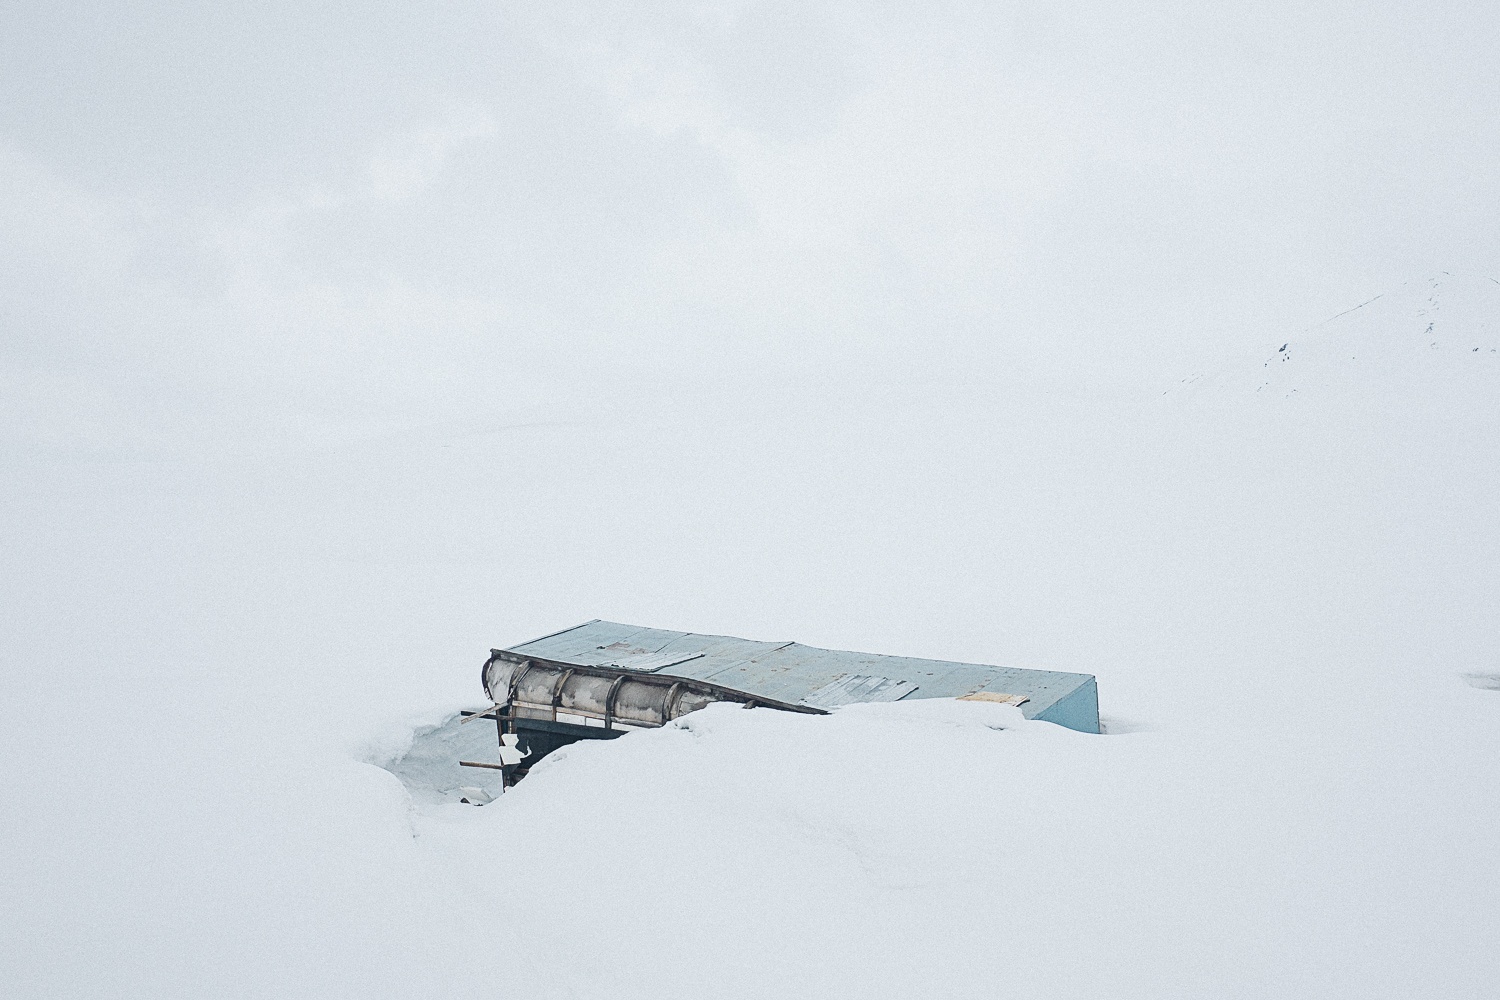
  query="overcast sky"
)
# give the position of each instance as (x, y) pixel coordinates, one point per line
(282, 221)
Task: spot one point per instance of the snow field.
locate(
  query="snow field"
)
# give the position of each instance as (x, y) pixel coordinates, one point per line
(1281, 599)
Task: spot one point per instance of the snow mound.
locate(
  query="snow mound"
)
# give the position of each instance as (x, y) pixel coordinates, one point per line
(940, 848)
(428, 764)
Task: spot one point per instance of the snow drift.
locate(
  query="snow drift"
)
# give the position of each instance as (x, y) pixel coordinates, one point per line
(1285, 600)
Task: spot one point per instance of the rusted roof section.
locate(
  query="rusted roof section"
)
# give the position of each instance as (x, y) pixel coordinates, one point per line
(792, 673)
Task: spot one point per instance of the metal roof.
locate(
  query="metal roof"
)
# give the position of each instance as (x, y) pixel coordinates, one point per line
(825, 678)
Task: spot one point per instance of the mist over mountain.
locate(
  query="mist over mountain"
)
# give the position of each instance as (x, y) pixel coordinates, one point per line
(313, 222)
(1435, 337)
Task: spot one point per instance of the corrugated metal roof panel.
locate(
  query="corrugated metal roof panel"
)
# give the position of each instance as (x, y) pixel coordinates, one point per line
(858, 689)
(600, 643)
(792, 672)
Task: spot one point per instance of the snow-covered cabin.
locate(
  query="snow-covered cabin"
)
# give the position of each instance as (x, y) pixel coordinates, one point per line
(601, 679)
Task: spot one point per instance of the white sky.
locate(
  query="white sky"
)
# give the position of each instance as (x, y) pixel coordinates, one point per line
(307, 218)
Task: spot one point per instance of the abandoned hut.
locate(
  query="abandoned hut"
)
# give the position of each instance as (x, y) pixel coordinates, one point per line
(602, 679)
